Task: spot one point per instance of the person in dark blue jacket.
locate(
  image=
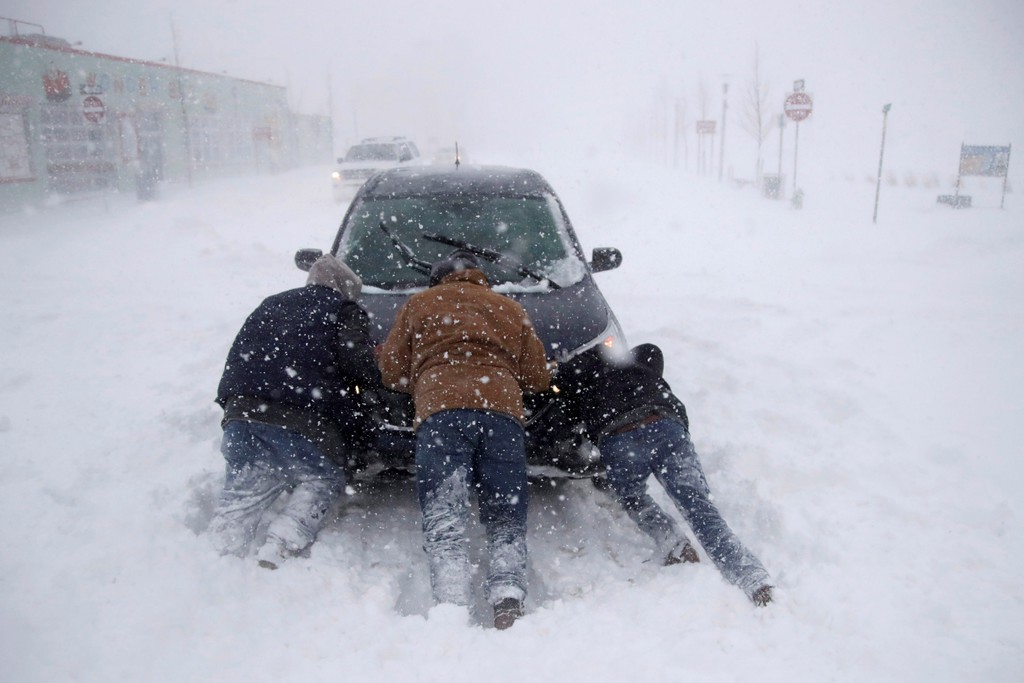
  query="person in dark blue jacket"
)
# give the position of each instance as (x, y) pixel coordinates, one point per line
(294, 394)
(628, 410)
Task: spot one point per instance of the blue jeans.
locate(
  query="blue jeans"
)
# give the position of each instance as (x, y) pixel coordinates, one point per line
(459, 451)
(262, 462)
(663, 448)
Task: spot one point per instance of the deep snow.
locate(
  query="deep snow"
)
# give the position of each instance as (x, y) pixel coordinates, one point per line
(854, 391)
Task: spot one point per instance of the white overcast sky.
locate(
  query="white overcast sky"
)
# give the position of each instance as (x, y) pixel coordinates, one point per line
(569, 77)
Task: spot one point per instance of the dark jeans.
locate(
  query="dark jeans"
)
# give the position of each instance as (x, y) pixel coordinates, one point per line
(459, 451)
(263, 461)
(663, 448)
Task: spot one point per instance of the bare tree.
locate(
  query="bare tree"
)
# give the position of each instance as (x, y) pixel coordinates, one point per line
(755, 119)
(679, 133)
(702, 144)
(702, 98)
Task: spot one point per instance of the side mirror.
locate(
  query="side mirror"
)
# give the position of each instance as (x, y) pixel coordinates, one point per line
(341, 160)
(605, 258)
(305, 258)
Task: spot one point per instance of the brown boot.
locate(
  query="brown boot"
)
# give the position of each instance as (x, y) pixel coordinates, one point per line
(506, 612)
(762, 596)
(685, 553)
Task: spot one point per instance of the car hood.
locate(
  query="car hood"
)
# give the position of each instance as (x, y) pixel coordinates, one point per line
(369, 163)
(565, 319)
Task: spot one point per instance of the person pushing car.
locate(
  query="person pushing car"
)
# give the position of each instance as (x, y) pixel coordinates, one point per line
(466, 354)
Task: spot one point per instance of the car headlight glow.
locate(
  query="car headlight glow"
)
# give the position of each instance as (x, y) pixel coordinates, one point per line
(612, 339)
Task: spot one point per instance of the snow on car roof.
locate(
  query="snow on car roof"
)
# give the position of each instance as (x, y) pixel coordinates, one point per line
(427, 180)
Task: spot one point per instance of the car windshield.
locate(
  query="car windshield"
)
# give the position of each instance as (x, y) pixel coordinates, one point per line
(528, 231)
(372, 152)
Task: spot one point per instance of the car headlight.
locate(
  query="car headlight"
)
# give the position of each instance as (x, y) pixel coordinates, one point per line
(336, 175)
(612, 338)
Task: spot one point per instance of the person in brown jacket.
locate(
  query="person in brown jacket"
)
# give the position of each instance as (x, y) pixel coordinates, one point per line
(466, 354)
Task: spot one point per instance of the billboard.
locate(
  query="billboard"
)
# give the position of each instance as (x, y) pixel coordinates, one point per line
(984, 160)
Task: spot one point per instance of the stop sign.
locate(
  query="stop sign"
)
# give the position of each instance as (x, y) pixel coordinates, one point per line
(798, 106)
(93, 109)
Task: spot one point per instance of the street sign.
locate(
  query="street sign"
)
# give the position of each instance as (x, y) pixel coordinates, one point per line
(93, 109)
(705, 127)
(798, 106)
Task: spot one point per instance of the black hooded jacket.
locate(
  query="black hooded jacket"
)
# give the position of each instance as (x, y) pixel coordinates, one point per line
(603, 394)
(297, 362)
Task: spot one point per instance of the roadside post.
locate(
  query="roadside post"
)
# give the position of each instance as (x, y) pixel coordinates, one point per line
(705, 151)
(798, 107)
(878, 183)
(721, 151)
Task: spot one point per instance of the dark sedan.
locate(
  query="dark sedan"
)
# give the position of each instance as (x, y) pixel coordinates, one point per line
(403, 219)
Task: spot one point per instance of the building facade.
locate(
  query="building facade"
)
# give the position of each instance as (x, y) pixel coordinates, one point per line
(74, 122)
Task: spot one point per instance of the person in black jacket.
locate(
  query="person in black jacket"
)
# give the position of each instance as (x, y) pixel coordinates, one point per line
(628, 410)
(294, 394)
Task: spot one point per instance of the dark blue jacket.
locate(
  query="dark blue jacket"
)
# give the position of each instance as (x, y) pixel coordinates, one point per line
(308, 349)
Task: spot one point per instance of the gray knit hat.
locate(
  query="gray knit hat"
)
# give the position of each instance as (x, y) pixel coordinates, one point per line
(330, 272)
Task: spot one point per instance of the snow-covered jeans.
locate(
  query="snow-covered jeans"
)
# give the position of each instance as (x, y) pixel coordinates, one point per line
(262, 462)
(663, 448)
(459, 451)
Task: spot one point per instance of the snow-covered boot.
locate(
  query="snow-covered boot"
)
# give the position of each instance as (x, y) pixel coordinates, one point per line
(451, 579)
(506, 612)
(684, 552)
(275, 551)
(762, 596)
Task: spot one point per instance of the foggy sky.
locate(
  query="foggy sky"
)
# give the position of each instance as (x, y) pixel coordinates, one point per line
(578, 77)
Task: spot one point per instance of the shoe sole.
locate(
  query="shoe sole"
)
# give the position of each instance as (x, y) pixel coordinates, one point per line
(506, 616)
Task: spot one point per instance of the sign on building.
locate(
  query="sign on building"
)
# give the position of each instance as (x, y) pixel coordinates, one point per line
(93, 109)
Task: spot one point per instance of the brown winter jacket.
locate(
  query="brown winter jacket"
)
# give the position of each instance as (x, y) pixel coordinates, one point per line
(461, 345)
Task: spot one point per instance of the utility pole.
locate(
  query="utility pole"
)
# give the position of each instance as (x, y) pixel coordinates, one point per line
(330, 109)
(782, 124)
(881, 154)
(675, 137)
(721, 151)
(184, 110)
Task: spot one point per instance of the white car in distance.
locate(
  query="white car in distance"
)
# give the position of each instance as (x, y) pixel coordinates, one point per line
(367, 157)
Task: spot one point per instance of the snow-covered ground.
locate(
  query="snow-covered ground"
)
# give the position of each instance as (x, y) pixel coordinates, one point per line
(854, 391)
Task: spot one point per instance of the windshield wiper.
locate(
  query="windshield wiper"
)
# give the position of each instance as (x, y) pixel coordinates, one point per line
(492, 256)
(405, 252)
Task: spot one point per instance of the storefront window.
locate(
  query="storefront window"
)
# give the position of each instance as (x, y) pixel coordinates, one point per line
(15, 163)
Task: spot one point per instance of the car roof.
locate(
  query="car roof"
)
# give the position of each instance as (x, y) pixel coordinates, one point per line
(467, 180)
(388, 138)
